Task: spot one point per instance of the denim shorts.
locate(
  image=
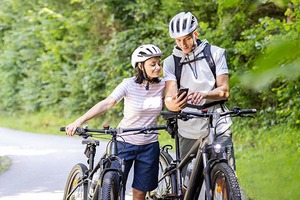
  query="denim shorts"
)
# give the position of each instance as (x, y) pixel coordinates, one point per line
(145, 159)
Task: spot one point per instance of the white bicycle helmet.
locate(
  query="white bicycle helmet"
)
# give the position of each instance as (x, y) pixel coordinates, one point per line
(143, 53)
(182, 24)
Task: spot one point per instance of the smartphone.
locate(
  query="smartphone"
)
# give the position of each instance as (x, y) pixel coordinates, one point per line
(181, 90)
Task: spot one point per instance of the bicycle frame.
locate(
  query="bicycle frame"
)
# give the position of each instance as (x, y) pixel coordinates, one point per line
(105, 160)
(109, 162)
(104, 165)
(203, 163)
(200, 152)
(110, 157)
(206, 151)
(90, 152)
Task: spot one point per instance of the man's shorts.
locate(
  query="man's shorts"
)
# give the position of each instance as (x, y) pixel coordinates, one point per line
(145, 159)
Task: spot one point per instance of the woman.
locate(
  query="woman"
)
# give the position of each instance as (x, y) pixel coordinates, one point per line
(142, 95)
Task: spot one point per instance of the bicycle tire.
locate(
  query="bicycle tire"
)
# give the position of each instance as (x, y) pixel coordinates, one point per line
(225, 184)
(74, 177)
(111, 186)
(165, 186)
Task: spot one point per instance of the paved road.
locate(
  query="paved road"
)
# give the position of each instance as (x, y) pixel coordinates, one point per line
(40, 164)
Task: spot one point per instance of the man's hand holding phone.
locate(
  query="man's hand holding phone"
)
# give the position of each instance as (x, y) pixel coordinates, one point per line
(182, 93)
(179, 101)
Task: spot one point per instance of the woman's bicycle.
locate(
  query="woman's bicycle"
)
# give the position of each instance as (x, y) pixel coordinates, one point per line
(106, 179)
(209, 157)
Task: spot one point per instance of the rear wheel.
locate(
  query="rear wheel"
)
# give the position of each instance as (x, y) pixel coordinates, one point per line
(75, 188)
(111, 186)
(165, 186)
(224, 183)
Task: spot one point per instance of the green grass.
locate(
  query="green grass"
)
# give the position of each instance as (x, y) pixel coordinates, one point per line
(268, 164)
(45, 123)
(5, 162)
(267, 160)
(35, 123)
(50, 123)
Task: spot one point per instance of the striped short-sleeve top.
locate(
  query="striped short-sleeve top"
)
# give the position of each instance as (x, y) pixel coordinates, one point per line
(141, 108)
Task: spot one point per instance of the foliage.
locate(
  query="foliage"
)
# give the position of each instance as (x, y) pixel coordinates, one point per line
(64, 56)
(41, 50)
(275, 71)
(70, 54)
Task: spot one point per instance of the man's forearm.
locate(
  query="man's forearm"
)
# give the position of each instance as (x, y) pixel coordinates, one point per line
(219, 93)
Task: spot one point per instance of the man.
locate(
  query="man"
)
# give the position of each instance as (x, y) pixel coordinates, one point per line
(204, 87)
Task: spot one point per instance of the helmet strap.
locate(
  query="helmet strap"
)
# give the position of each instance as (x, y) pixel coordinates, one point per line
(194, 41)
(146, 77)
(147, 85)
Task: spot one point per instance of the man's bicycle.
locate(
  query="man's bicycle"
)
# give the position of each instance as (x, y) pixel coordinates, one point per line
(209, 157)
(106, 179)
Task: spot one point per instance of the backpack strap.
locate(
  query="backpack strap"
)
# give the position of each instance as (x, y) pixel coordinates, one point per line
(178, 69)
(211, 63)
(209, 59)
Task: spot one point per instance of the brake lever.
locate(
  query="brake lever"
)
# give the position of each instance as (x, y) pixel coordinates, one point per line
(82, 132)
(184, 117)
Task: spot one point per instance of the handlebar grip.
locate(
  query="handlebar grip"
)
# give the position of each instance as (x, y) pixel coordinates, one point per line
(160, 127)
(247, 111)
(166, 114)
(62, 128)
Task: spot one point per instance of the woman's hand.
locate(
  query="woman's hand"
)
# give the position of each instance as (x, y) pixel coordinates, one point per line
(98, 109)
(71, 128)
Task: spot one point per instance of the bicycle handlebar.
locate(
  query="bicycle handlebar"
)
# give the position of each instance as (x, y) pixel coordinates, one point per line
(84, 131)
(204, 114)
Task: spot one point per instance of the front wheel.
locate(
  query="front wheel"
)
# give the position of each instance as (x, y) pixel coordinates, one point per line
(111, 186)
(76, 188)
(224, 183)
